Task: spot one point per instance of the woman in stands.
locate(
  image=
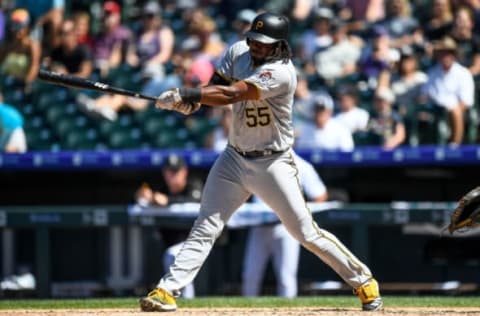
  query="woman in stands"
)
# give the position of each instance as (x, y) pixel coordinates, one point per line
(468, 52)
(20, 55)
(155, 43)
(407, 82)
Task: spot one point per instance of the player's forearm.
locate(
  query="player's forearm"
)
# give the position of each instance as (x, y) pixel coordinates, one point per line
(223, 95)
(219, 95)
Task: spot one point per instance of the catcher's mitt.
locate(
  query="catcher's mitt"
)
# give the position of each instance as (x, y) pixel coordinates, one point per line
(467, 212)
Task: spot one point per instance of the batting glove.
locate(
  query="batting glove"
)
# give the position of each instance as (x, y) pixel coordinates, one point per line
(172, 100)
(187, 108)
(168, 99)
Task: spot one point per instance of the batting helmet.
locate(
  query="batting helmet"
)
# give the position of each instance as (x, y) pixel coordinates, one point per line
(269, 28)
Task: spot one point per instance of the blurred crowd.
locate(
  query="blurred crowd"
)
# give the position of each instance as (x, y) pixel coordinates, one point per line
(370, 72)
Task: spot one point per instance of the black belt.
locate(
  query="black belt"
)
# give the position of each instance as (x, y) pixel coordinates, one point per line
(258, 153)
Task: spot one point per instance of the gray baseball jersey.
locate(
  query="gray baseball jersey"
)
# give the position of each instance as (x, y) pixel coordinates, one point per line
(265, 123)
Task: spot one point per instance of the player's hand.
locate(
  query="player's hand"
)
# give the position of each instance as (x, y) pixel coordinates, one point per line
(171, 100)
(188, 108)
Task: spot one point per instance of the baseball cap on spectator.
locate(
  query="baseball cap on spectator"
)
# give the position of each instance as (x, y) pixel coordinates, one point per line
(152, 8)
(322, 102)
(174, 162)
(186, 4)
(19, 19)
(406, 51)
(246, 15)
(445, 44)
(385, 94)
(323, 14)
(111, 7)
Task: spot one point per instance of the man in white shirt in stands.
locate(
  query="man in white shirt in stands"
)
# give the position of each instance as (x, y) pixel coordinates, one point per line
(351, 116)
(340, 58)
(324, 133)
(450, 85)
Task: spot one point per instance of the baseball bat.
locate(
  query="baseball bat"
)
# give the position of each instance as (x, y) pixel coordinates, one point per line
(81, 83)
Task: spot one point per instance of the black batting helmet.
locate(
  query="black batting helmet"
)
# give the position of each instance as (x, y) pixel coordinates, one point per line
(269, 28)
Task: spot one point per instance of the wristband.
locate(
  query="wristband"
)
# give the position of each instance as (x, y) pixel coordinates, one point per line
(190, 94)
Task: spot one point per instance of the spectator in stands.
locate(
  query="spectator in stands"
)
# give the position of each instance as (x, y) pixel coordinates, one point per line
(180, 188)
(325, 133)
(107, 106)
(12, 135)
(304, 101)
(361, 13)
(230, 9)
(340, 58)
(70, 57)
(407, 81)
(378, 56)
(296, 10)
(4, 9)
(450, 86)
(274, 241)
(285, 7)
(385, 123)
(46, 18)
(190, 68)
(81, 19)
(20, 55)
(318, 36)
(204, 28)
(241, 24)
(474, 6)
(402, 27)
(350, 114)
(468, 43)
(154, 45)
(114, 44)
(440, 21)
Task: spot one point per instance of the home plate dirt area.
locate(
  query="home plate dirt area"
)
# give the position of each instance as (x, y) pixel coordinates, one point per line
(287, 311)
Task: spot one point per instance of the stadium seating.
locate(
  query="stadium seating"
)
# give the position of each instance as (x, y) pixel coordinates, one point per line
(51, 114)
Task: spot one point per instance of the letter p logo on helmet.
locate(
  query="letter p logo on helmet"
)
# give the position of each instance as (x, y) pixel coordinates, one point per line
(259, 25)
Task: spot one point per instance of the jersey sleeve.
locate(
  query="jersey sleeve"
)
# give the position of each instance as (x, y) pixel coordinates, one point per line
(225, 69)
(271, 80)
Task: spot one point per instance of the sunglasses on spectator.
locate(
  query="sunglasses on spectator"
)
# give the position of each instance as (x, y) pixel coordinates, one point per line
(148, 16)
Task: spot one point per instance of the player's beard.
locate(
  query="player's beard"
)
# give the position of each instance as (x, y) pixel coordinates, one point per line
(271, 56)
(257, 61)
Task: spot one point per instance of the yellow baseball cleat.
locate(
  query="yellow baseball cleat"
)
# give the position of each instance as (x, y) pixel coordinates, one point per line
(370, 296)
(158, 300)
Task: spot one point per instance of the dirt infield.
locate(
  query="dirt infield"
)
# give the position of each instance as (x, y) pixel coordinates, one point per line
(308, 311)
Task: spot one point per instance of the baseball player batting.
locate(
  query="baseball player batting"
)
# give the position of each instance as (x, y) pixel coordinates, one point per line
(257, 76)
